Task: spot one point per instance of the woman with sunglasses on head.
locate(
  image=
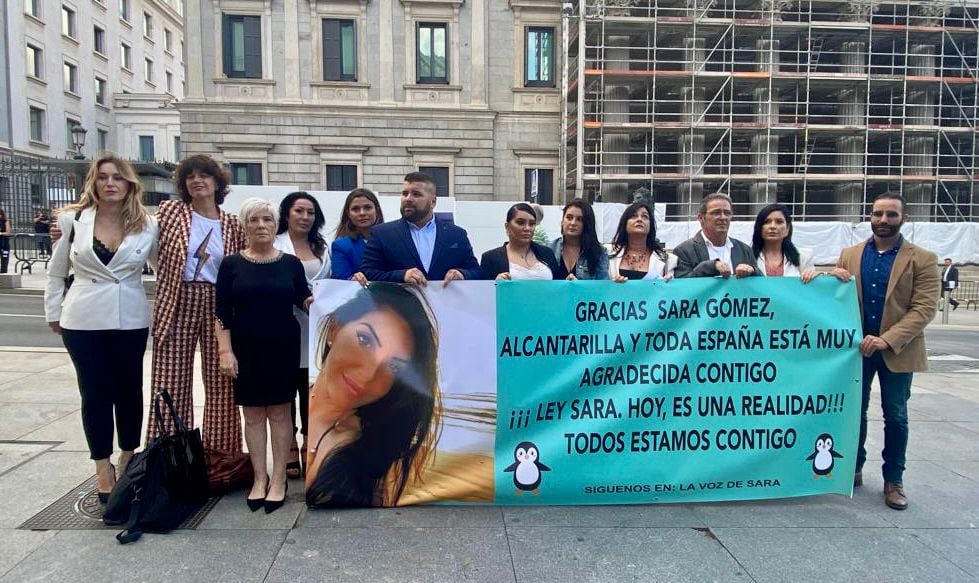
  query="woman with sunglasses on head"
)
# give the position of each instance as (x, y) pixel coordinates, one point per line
(519, 258)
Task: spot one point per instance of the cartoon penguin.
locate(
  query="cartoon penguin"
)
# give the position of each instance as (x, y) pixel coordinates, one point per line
(822, 456)
(526, 469)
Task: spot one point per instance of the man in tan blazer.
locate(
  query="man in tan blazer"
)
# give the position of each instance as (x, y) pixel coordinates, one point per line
(898, 286)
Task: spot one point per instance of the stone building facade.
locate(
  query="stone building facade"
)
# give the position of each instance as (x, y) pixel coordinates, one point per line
(328, 95)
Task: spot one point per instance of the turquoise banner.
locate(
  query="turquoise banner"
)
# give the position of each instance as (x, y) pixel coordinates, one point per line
(692, 390)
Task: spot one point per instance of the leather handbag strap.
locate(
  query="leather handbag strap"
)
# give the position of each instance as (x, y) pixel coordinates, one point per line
(178, 424)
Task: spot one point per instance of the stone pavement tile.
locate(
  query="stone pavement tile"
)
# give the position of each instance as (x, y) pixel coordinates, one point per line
(182, 555)
(940, 441)
(812, 511)
(30, 488)
(939, 498)
(972, 426)
(475, 516)
(32, 361)
(13, 454)
(960, 546)
(394, 554)
(231, 512)
(945, 407)
(968, 470)
(19, 419)
(48, 387)
(652, 516)
(18, 544)
(619, 554)
(836, 554)
(68, 430)
(6, 377)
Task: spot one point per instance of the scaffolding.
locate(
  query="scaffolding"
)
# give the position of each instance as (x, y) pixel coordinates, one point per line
(818, 104)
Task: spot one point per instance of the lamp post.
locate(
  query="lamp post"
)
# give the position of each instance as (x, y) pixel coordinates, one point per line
(78, 140)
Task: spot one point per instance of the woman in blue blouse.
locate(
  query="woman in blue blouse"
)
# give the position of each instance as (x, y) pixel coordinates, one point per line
(361, 211)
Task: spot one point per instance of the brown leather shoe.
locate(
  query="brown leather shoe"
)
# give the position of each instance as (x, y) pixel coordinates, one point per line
(857, 479)
(894, 496)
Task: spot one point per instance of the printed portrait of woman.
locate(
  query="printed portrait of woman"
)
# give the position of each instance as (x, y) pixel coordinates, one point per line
(375, 408)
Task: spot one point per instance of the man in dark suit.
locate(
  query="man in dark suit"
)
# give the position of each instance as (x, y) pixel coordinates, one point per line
(950, 281)
(418, 247)
(711, 253)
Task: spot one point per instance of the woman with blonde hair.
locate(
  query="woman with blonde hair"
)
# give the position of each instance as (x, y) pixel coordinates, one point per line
(103, 317)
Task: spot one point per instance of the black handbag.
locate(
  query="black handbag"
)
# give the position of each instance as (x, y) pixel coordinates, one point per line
(70, 278)
(162, 485)
(184, 462)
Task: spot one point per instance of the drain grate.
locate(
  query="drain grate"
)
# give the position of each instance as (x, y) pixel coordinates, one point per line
(80, 509)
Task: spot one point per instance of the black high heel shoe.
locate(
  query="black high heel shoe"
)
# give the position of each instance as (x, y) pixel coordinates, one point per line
(104, 496)
(273, 505)
(255, 503)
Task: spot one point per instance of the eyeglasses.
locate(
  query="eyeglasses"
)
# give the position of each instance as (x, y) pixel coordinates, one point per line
(888, 214)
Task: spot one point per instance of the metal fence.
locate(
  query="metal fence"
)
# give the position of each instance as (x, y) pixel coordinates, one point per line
(29, 185)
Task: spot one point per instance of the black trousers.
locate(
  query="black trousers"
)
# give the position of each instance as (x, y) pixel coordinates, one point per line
(109, 366)
(302, 387)
(4, 253)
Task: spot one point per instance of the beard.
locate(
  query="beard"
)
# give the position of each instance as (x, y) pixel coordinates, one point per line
(886, 231)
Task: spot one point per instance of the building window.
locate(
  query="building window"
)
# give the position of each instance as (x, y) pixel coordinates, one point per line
(126, 56)
(69, 125)
(147, 151)
(341, 177)
(167, 40)
(148, 25)
(71, 78)
(169, 81)
(242, 46)
(37, 124)
(176, 147)
(339, 50)
(440, 175)
(68, 22)
(539, 64)
(35, 62)
(98, 36)
(431, 55)
(33, 7)
(249, 173)
(124, 10)
(538, 185)
(100, 91)
(103, 140)
(148, 70)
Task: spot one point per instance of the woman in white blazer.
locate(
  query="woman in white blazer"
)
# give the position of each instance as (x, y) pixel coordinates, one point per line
(775, 253)
(636, 253)
(301, 222)
(103, 318)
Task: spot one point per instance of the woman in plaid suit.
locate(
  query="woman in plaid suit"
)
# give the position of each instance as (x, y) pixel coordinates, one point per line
(195, 235)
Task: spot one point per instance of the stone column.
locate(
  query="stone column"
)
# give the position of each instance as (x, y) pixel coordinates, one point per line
(919, 150)
(385, 51)
(764, 146)
(478, 86)
(692, 144)
(615, 105)
(849, 197)
(290, 39)
(193, 37)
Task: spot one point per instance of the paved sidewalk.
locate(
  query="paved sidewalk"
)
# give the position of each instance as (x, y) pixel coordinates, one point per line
(825, 539)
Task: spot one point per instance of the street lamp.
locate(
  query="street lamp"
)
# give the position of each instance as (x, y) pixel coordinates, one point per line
(78, 140)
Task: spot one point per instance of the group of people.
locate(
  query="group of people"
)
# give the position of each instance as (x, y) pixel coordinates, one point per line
(239, 287)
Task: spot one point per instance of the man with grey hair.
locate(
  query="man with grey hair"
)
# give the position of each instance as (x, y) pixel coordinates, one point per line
(711, 253)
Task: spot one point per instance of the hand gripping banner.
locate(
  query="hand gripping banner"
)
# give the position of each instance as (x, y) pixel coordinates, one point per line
(582, 392)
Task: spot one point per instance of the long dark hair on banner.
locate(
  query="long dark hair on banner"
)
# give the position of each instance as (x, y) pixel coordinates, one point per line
(399, 431)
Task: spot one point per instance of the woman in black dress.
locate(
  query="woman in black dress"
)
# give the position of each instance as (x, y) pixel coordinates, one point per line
(258, 344)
